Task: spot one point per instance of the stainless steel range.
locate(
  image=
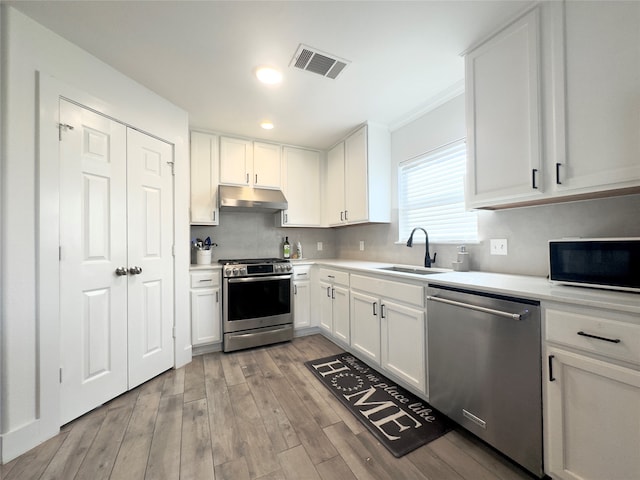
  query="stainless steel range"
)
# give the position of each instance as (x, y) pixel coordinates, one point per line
(257, 302)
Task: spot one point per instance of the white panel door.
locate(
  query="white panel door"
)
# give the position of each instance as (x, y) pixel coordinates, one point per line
(326, 307)
(236, 161)
(335, 186)
(267, 167)
(150, 240)
(403, 343)
(93, 242)
(356, 177)
(365, 326)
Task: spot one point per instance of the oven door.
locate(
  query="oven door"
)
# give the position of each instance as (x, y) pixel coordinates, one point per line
(256, 302)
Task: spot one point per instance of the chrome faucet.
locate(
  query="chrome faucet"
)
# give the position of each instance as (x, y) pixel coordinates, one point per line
(427, 257)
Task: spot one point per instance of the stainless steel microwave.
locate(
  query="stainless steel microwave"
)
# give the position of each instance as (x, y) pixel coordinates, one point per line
(611, 263)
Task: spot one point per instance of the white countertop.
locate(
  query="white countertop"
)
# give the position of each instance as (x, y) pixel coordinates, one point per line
(535, 288)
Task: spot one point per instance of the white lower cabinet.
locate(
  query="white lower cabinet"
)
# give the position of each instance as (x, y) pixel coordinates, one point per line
(403, 343)
(205, 307)
(388, 327)
(592, 420)
(334, 304)
(301, 296)
(365, 326)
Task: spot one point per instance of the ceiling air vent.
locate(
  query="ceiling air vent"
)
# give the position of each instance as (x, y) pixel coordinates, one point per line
(315, 61)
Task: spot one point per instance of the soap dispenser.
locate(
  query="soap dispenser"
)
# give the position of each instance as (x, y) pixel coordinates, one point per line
(462, 264)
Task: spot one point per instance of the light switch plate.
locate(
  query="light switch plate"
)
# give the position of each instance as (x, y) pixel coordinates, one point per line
(319, 246)
(499, 246)
(361, 245)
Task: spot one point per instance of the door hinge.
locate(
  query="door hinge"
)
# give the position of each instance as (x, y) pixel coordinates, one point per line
(173, 169)
(65, 127)
(173, 250)
(173, 331)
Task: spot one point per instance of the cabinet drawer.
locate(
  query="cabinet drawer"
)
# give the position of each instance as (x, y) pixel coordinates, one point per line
(334, 276)
(302, 272)
(400, 291)
(617, 339)
(210, 278)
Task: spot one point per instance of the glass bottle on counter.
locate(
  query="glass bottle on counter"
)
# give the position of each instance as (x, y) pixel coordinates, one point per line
(286, 248)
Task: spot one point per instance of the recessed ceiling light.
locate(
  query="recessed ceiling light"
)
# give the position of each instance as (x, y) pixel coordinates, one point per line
(269, 75)
(267, 125)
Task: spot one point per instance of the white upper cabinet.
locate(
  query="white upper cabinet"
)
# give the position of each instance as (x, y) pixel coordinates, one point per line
(598, 84)
(247, 163)
(267, 167)
(204, 179)
(503, 116)
(236, 161)
(552, 106)
(301, 187)
(334, 201)
(358, 171)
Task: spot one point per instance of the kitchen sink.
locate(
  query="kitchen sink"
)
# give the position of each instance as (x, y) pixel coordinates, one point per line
(415, 270)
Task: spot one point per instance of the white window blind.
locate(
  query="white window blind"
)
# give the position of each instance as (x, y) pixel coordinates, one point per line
(431, 196)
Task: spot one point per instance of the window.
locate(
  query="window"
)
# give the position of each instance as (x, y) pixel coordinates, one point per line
(431, 196)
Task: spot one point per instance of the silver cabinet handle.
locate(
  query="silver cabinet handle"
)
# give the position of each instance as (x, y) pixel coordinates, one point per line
(295, 289)
(333, 293)
(382, 305)
(328, 292)
(247, 178)
(120, 271)
(135, 270)
(491, 311)
(217, 299)
(256, 182)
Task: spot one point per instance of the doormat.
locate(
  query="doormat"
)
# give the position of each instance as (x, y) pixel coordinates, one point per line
(401, 421)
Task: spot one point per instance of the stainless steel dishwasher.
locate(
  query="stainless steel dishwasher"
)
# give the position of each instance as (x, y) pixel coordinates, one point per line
(484, 364)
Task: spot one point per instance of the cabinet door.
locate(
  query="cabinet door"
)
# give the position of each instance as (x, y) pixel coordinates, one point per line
(356, 177)
(341, 327)
(503, 116)
(601, 93)
(335, 186)
(403, 343)
(302, 187)
(205, 316)
(301, 304)
(204, 179)
(267, 168)
(365, 326)
(236, 161)
(326, 307)
(592, 420)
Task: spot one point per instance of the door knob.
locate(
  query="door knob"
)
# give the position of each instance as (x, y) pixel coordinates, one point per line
(135, 270)
(120, 271)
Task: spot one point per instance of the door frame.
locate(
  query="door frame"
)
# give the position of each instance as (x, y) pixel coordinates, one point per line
(50, 90)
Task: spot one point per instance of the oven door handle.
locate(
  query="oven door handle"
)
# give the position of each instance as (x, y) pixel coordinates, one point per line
(259, 279)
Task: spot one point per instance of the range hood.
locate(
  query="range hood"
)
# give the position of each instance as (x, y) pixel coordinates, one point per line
(251, 199)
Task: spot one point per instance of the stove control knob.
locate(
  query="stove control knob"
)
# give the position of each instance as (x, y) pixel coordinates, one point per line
(278, 267)
(288, 267)
(243, 271)
(227, 272)
(235, 271)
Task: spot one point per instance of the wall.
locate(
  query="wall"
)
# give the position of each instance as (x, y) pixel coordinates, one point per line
(527, 230)
(29, 365)
(256, 235)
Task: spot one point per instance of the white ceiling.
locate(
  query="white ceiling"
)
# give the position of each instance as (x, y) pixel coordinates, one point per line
(201, 55)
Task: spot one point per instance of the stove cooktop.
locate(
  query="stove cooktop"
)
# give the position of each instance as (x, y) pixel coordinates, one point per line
(251, 261)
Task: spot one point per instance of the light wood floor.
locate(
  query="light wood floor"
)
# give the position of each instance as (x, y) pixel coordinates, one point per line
(254, 414)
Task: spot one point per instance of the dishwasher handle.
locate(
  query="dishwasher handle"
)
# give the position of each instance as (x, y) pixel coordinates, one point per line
(499, 313)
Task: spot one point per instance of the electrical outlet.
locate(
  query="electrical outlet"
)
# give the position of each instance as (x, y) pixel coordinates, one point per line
(361, 245)
(499, 246)
(319, 246)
